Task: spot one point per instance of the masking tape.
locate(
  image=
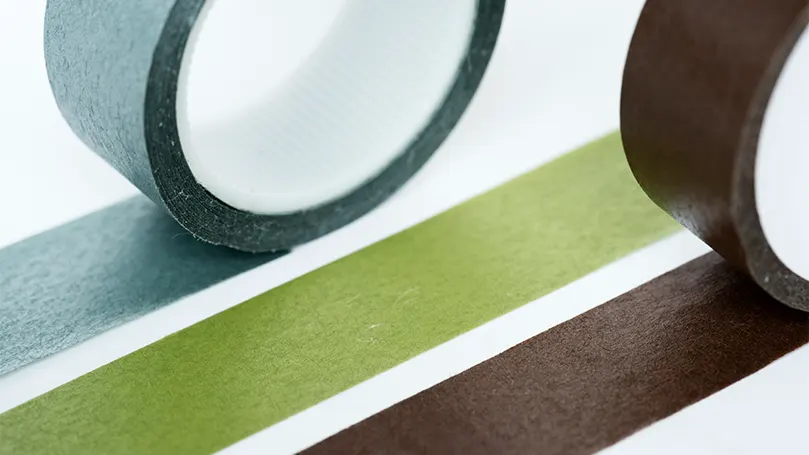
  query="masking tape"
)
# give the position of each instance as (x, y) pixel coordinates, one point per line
(705, 114)
(71, 283)
(223, 379)
(115, 69)
(598, 378)
(353, 123)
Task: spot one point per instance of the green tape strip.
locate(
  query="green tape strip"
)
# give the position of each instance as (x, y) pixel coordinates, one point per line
(258, 363)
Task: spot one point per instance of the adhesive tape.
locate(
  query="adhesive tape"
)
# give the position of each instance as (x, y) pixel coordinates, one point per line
(715, 99)
(266, 169)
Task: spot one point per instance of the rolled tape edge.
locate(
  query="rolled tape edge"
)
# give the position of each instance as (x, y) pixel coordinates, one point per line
(114, 68)
(694, 94)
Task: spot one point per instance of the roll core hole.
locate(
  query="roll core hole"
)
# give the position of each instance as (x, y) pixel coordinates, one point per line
(782, 164)
(284, 106)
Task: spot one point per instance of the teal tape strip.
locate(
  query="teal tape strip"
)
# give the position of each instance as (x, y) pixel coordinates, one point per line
(76, 281)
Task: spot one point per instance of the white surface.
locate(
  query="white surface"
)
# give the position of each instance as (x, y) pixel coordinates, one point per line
(352, 91)
(554, 84)
(782, 164)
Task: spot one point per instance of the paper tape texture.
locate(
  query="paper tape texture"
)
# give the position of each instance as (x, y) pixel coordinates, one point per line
(78, 280)
(596, 379)
(242, 370)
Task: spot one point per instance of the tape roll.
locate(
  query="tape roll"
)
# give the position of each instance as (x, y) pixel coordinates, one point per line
(351, 125)
(712, 105)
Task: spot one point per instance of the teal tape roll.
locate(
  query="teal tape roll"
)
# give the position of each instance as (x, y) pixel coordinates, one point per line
(115, 69)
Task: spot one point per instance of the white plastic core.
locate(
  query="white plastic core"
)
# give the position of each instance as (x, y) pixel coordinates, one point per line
(286, 105)
(782, 164)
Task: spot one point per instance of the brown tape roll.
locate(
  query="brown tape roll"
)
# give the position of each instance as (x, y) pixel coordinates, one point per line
(697, 84)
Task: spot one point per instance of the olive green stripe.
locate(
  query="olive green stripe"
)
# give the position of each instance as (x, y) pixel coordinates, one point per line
(277, 354)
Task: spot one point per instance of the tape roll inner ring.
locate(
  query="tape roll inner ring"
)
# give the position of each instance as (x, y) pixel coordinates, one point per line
(781, 184)
(341, 117)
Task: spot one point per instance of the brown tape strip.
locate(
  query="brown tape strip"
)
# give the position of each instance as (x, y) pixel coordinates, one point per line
(698, 79)
(598, 378)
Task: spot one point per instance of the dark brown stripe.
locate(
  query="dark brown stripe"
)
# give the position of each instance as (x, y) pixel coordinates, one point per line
(596, 379)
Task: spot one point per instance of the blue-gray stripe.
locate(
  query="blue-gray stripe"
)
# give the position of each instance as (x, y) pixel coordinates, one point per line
(73, 282)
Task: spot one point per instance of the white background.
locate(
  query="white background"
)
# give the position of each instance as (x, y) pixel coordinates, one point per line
(554, 84)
